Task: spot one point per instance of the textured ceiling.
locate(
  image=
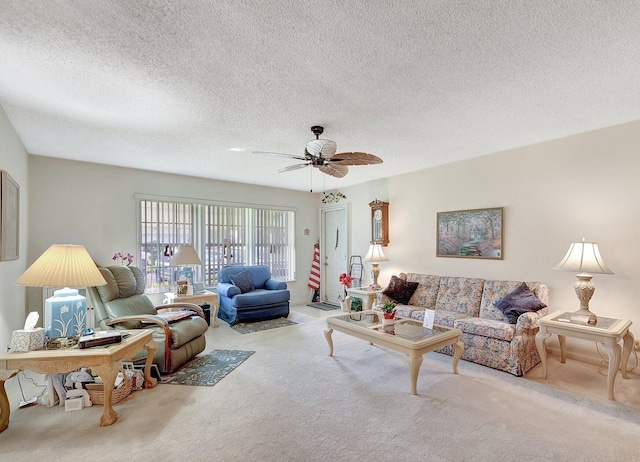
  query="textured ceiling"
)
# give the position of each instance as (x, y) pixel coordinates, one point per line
(177, 86)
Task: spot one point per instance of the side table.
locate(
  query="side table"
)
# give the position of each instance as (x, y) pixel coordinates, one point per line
(199, 299)
(607, 332)
(368, 296)
(104, 361)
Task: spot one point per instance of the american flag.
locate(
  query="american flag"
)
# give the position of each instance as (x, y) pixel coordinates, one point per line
(314, 277)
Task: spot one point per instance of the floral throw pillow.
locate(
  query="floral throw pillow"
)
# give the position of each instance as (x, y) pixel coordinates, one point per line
(520, 300)
(243, 281)
(400, 290)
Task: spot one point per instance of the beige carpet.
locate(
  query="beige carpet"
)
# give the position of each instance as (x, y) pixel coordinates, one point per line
(291, 402)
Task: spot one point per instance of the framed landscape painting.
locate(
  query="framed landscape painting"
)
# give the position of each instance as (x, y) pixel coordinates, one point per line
(9, 217)
(470, 234)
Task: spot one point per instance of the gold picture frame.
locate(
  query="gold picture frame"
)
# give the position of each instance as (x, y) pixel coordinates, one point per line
(9, 217)
(471, 234)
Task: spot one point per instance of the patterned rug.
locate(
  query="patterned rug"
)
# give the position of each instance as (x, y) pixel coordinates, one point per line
(250, 327)
(206, 371)
(324, 306)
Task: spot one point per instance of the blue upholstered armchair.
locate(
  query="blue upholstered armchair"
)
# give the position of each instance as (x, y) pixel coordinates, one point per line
(248, 294)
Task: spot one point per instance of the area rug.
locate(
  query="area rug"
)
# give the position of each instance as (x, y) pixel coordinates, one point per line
(250, 327)
(324, 306)
(207, 370)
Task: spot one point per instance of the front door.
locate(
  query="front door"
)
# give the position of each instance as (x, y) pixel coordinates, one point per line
(334, 252)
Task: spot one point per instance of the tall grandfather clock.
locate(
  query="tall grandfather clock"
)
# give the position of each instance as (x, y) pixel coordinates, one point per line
(379, 222)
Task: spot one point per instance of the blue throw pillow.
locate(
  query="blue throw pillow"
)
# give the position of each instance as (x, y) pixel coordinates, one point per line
(519, 300)
(243, 281)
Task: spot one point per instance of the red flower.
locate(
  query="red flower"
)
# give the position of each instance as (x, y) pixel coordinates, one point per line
(345, 279)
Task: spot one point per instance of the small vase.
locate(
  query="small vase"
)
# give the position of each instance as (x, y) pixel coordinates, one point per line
(346, 304)
(388, 319)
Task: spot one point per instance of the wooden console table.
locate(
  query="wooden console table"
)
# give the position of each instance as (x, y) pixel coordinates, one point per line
(104, 361)
(608, 332)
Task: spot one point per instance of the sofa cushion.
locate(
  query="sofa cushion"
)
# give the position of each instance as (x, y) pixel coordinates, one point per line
(442, 317)
(242, 281)
(260, 297)
(400, 290)
(460, 294)
(518, 301)
(427, 290)
(495, 290)
(486, 327)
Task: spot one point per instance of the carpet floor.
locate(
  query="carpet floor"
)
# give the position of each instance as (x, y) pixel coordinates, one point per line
(207, 370)
(293, 402)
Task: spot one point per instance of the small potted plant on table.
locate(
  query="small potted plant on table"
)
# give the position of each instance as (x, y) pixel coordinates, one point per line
(388, 313)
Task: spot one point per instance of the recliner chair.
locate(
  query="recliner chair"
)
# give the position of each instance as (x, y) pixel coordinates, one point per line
(179, 328)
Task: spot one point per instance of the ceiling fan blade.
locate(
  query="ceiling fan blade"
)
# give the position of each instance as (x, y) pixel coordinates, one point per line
(334, 170)
(354, 158)
(322, 148)
(280, 154)
(292, 167)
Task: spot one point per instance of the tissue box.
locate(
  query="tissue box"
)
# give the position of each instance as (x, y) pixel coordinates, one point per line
(27, 340)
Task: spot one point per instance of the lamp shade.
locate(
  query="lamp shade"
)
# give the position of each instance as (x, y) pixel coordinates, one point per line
(375, 254)
(62, 265)
(185, 255)
(583, 257)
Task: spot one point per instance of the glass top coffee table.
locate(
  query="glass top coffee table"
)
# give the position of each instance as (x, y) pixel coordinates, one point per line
(406, 336)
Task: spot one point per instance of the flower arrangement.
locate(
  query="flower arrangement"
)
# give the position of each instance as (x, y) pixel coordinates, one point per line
(122, 259)
(346, 281)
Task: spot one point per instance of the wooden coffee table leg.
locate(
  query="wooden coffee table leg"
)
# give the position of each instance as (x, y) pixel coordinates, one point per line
(327, 335)
(151, 347)
(415, 361)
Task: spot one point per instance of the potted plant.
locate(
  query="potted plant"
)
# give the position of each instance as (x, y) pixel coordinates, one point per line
(388, 312)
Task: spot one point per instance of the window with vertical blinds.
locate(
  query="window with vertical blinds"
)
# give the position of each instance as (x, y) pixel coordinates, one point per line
(221, 234)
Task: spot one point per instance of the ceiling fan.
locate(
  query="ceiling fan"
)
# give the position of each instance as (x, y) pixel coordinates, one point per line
(321, 154)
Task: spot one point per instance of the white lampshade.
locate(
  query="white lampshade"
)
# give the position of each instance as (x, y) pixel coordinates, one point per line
(583, 257)
(186, 255)
(61, 265)
(375, 254)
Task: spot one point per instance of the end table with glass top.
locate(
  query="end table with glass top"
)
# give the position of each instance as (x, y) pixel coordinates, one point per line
(607, 331)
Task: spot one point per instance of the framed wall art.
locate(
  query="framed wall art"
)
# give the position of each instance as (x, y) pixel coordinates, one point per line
(9, 217)
(470, 234)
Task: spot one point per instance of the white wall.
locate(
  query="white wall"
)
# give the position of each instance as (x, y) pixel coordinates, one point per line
(13, 159)
(553, 193)
(93, 205)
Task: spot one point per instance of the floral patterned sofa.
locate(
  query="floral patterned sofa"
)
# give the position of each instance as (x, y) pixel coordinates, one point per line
(468, 304)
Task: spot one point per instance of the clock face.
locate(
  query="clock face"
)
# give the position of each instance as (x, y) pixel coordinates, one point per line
(377, 214)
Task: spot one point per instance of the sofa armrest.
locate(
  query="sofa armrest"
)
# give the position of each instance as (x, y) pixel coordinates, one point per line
(273, 284)
(143, 318)
(180, 306)
(228, 290)
(529, 320)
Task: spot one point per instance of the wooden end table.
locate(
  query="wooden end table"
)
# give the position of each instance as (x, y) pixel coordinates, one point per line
(104, 361)
(608, 332)
(199, 299)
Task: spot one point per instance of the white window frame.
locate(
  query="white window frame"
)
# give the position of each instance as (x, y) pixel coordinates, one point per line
(223, 233)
